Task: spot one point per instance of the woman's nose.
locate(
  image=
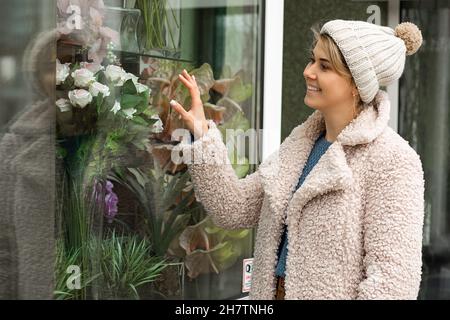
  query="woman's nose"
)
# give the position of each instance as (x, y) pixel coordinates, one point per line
(308, 73)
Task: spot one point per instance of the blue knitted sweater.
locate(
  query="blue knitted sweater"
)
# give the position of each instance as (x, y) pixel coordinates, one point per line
(320, 147)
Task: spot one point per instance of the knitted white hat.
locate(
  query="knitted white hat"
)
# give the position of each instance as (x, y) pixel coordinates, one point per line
(374, 54)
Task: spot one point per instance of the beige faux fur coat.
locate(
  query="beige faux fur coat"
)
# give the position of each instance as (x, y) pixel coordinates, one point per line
(354, 225)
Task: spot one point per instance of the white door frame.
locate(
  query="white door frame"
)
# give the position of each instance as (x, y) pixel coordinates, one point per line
(273, 76)
(393, 89)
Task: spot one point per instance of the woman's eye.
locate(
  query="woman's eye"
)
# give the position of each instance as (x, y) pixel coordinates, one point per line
(322, 66)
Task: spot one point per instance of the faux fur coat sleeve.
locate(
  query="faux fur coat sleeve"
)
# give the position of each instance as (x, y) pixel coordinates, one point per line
(393, 227)
(231, 202)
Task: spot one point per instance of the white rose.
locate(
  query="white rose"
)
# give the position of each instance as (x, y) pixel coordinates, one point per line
(80, 97)
(96, 88)
(114, 73)
(116, 107)
(132, 77)
(93, 67)
(129, 113)
(158, 125)
(62, 72)
(83, 77)
(126, 77)
(141, 87)
(63, 105)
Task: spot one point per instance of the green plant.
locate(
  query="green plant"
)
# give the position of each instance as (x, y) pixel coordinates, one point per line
(74, 219)
(156, 24)
(65, 259)
(164, 201)
(127, 265)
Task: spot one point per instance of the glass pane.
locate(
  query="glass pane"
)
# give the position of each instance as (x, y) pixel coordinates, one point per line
(299, 17)
(94, 205)
(423, 121)
(128, 219)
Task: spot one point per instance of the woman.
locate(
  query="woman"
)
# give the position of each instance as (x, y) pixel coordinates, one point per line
(27, 171)
(339, 207)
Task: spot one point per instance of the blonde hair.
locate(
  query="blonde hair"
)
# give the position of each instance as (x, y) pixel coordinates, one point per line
(337, 61)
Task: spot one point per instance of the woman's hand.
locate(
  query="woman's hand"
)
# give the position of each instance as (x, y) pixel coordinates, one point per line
(194, 119)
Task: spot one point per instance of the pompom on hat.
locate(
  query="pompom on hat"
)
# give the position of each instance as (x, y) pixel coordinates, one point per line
(374, 54)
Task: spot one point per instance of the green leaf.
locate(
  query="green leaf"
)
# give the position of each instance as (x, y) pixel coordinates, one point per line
(224, 253)
(150, 121)
(141, 107)
(68, 84)
(237, 121)
(129, 87)
(113, 146)
(139, 120)
(149, 112)
(238, 234)
(131, 101)
(241, 166)
(99, 101)
(240, 92)
(101, 77)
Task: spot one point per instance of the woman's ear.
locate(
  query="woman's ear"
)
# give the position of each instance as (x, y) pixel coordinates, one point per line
(354, 89)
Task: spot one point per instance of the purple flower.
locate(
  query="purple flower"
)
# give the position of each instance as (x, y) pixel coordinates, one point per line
(105, 198)
(109, 186)
(111, 201)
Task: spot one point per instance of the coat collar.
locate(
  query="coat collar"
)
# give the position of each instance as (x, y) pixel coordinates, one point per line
(281, 171)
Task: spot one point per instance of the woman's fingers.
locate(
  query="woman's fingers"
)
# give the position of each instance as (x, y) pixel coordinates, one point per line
(187, 75)
(185, 81)
(191, 84)
(179, 108)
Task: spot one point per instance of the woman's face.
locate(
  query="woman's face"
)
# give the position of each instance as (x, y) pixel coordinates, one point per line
(326, 88)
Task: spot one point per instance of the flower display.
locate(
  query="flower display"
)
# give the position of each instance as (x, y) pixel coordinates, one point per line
(108, 89)
(80, 98)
